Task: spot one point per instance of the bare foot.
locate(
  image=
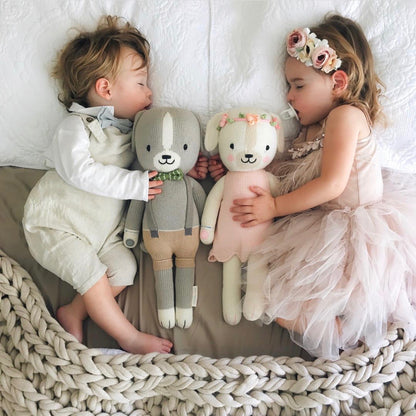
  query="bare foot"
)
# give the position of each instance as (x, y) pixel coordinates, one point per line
(69, 321)
(141, 343)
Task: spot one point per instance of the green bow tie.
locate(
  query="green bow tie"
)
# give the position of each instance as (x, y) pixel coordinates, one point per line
(174, 175)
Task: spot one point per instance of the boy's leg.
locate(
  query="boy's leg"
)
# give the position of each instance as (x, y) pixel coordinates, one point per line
(72, 315)
(106, 313)
(121, 269)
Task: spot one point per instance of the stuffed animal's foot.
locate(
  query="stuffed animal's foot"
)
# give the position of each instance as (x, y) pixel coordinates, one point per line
(184, 317)
(166, 317)
(252, 310)
(232, 316)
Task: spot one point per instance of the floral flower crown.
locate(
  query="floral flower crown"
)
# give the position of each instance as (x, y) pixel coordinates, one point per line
(303, 45)
(250, 118)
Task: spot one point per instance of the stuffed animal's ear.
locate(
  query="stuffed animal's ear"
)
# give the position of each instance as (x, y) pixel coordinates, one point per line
(133, 134)
(280, 134)
(212, 133)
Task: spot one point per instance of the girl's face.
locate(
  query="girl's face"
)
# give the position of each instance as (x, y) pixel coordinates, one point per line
(129, 91)
(310, 93)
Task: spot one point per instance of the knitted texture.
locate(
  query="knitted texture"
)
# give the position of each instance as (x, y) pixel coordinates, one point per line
(45, 371)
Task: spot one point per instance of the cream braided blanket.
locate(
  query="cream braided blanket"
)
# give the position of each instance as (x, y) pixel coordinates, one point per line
(44, 371)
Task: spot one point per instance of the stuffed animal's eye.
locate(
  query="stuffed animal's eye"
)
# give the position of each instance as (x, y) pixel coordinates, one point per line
(185, 146)
(267, 147)
(148, 147)
(232, 146)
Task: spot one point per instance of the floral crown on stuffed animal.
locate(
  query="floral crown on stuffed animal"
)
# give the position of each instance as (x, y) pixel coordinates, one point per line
(251, 118)
(304, 45)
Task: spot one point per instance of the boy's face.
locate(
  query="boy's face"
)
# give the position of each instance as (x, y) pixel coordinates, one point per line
(129, 91)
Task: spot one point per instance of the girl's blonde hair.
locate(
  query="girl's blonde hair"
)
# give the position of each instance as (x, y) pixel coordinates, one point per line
(348, 40)
(94, 55)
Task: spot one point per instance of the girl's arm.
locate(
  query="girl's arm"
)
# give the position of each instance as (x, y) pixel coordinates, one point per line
(200, 170)
(216, 168)
(74, 163)
(344, 126)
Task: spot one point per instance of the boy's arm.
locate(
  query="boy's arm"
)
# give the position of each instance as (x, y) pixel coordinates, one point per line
(74, 163)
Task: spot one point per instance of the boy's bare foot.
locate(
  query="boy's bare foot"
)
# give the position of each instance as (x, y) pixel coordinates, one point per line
(142, 343)
(69, 321)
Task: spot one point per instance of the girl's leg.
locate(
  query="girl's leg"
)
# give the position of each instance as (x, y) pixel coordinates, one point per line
(100, 305)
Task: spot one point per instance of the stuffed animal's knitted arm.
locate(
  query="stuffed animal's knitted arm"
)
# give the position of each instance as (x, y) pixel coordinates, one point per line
(133, 223)
(199, 196)
(210, 214)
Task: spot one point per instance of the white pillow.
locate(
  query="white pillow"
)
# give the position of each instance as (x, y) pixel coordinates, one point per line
(207, 55)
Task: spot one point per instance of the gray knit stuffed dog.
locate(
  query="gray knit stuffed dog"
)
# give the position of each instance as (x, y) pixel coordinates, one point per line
(168, 140)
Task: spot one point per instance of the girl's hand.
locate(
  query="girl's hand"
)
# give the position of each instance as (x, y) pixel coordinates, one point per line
(216, 168)
(253, 211)
(153, 186)
(200, 170)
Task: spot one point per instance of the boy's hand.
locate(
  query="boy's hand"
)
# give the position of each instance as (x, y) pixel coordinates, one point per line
(153, 186)
(200, 170)
(216, 168)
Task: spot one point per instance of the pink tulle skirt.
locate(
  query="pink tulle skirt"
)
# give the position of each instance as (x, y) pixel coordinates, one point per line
(342, 275)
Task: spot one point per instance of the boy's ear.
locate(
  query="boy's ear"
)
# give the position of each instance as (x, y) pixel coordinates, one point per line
(102, 88)
(340, 79)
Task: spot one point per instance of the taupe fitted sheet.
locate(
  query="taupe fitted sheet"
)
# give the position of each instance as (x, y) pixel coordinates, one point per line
(209, 335)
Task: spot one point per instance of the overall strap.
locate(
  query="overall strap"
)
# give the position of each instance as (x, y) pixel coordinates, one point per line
(92, 125)
(189, 206)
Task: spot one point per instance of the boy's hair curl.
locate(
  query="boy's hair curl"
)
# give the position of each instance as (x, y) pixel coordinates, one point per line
(94, 55)
(347, 38)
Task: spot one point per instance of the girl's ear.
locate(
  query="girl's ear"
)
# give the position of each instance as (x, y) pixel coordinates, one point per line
(340, 79)
(102, 88)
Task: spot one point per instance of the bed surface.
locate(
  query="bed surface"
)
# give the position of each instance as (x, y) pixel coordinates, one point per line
(208, 335)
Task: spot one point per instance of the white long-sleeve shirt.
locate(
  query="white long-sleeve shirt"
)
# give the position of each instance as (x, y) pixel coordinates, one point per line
(71, 157)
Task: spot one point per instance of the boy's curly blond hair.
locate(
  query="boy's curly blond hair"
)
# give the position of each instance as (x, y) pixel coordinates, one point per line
(94, 55)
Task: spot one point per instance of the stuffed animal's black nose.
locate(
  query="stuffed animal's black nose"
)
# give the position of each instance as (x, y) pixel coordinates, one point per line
(166, 157)
(248, 155)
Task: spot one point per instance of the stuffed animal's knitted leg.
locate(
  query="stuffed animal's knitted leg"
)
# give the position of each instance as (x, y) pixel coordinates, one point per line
(165, 297)
(231, 291)
(254, 300)
(184, 282)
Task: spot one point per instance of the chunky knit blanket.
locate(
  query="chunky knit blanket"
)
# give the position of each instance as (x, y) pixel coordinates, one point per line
(45, 371)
